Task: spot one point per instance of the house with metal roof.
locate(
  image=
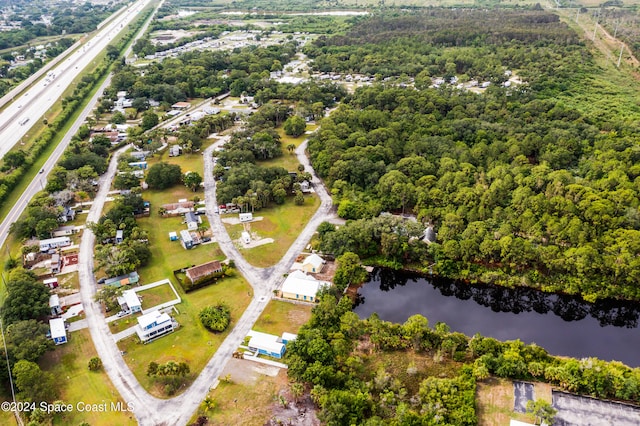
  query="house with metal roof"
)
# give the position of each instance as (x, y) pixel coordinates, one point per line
(153, 325)
(58, 331)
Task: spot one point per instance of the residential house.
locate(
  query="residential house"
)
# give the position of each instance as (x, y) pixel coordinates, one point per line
(266, 344)
(58, 331)
(181, 105)
(175, 151)
(54, 305)
(305, 186)
(129, 301)
(246, 217)
(63, 231)
(127, 279)
(203, 271)
(313, 264)
(56, 264)
(54, 243)
(192, 221)
(300, 286)
(179, 208)
(186, 240)
(153, 325)
(51, 282)
(139, 155)
(138, 165)
(67, 215)
(287, 337)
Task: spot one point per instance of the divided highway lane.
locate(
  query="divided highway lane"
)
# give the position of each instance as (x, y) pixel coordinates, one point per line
(19, 117)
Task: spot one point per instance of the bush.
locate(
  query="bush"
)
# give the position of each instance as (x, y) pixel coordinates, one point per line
(216, 318)
(95, 364)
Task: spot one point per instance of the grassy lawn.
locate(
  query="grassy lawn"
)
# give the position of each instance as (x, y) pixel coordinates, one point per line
(166, 255)
(282, 223)
(156, 295)
(123, 323)
(191, 343)
(69, 281)
(280, 316)
(494, 401)
(288, 160)
(76, 383)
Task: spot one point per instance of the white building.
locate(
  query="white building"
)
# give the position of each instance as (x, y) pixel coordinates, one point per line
(246, 237)
(246, 217)
(54, 243)
(300, 286)
(54, 304)
(313, 264)
(129, 301)
(58, 331)
(153, 325)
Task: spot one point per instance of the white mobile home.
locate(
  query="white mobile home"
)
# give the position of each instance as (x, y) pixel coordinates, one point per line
(54, 243)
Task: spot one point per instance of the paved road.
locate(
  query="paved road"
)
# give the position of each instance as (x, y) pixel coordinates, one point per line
(18, 117)
(148, 409)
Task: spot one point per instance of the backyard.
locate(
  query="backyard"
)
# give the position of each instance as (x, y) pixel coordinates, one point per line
(68, 363)
(191, 342)
(283, 223)
(279, 317)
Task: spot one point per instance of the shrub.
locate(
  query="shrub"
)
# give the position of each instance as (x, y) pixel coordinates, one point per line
(216, 318)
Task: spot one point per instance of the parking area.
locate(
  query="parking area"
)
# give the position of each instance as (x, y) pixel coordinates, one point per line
(579, 410)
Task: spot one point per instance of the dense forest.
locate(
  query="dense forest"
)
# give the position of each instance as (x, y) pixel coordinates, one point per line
(522, 188)
(373, 372)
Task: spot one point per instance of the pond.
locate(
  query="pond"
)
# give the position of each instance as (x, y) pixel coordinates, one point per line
(563, 325)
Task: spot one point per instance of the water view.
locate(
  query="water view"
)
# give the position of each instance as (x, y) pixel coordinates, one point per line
(563, 325)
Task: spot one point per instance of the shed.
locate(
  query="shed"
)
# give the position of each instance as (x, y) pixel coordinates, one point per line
(119, 236)
(173, 236)
(58, 332)
(54, 305)
(246, 237)
(246, 217)
(186, 240)
(313, 264)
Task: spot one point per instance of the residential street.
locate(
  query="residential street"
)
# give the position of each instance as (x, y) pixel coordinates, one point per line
(148, 409)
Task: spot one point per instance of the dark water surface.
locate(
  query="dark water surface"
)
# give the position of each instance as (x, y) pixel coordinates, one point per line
(563, 325)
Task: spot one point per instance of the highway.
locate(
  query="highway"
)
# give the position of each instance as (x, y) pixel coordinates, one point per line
(18, 117)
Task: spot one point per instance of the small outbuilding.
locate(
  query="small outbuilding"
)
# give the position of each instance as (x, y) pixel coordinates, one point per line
(173, 236)
(51, 282)
(175, 151)
(246, 217)
(313, 264)
(129, 301)
(246, 237)
(119, 236)
(58, 331)
(54, 305)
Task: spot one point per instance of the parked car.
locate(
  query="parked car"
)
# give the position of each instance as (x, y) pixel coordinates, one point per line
(123, 313)
(102, 280)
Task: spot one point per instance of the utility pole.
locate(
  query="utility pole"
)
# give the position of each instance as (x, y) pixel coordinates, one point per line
(577, 13)
(620, 56)
(615, 32)
(594, 30)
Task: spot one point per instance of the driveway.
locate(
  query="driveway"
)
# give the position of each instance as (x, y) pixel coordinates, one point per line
(149, 410)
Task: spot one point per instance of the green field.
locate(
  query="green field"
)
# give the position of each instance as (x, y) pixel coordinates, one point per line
(68, 363)
(191, 342)
(156, 295)
(282, 223)
(279, 317)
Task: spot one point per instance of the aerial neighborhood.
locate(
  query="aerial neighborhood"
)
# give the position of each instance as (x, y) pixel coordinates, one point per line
(310, 213)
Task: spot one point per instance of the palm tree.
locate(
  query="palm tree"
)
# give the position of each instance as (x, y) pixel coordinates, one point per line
(291, 147)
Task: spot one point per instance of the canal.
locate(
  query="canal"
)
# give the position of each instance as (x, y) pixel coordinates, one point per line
(563, 325)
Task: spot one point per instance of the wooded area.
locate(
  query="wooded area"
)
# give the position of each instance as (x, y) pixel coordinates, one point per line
(523, 188)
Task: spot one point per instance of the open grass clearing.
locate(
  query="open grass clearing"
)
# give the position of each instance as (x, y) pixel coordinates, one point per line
(125, 322)
(283, 223)
(494, 401)
(249, 399)
(166, 255)
(68, 283)
(191, 342)
(68, 363)
(155, 296)
(279, 317)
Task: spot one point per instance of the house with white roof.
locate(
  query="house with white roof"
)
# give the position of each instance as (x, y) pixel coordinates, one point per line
(129, 301)
(58, 331)
(300, 286)
(266, 344)
(153, 325)
(313, 264)
(54, 305)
